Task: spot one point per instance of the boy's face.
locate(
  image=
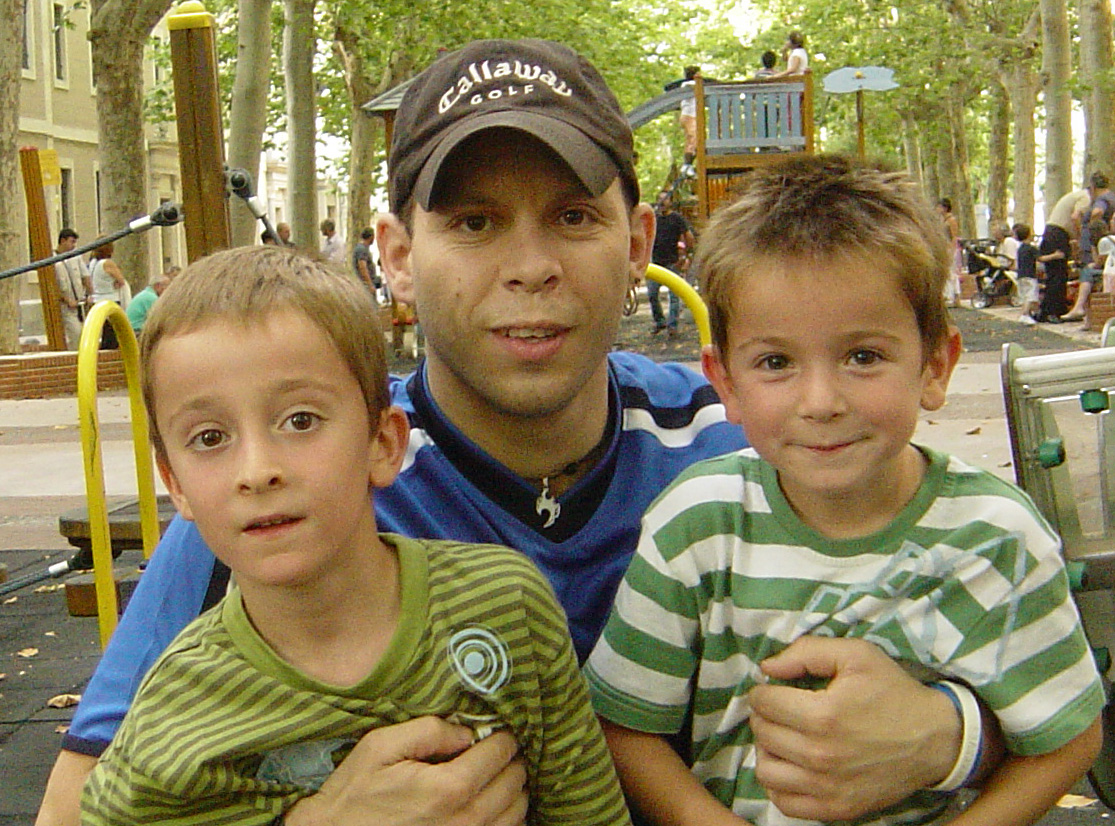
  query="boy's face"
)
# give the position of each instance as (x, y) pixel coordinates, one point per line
(519, 276)
(826, 372)
(269, 448)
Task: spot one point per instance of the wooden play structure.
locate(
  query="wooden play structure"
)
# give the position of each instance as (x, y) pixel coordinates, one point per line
(741, 125)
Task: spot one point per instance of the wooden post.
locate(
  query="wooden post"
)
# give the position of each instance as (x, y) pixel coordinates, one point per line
(807, 112)
(39, 229)
(201, 148)
(699, 162)
(861, 142)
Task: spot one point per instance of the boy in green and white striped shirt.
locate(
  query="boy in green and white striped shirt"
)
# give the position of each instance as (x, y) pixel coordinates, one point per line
(825, 288)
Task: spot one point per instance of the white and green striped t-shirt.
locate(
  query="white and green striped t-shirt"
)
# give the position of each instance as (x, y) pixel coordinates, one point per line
(967, 581)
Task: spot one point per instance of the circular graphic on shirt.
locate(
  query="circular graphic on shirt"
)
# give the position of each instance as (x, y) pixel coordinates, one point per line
(480, 659)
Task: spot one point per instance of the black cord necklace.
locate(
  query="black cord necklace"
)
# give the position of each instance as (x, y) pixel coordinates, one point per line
(546, 504)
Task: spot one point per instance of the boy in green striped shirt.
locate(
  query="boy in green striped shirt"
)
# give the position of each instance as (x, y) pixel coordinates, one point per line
(265, 379)
(825, 285)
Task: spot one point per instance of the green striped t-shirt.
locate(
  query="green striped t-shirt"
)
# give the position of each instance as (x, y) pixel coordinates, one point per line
(223, 731)
(967, 582)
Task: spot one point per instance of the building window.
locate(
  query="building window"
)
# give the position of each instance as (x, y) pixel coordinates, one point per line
(67, 193)
(59, 31)
(26, 37)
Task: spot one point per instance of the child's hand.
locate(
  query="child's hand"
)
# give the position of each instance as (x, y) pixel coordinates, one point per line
(391, 779)
(830, 754)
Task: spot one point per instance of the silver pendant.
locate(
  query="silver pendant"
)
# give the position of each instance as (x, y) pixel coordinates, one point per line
(546, 504)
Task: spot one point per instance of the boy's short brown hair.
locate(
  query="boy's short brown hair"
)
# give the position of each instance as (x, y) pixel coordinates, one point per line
(821, 209)
(246, 285)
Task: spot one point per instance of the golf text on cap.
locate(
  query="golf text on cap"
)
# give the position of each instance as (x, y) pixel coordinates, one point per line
(478, 74)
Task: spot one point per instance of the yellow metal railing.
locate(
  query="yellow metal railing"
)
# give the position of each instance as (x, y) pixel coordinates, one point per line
(686, 293)
(87, 362)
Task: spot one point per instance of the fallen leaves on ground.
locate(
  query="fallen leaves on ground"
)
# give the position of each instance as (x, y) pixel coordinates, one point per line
(27, 653)
(975, 431)
(1075, 801)
(63, 700)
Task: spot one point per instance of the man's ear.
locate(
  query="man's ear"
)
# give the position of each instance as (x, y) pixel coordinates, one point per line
(938, 370)
(388, 447)
(716, 371)
(173, 488)
(394, 245)
(642, 239)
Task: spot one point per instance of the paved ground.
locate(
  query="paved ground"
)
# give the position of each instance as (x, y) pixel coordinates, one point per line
(41, 478)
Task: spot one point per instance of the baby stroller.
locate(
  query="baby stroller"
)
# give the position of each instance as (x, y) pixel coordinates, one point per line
(994, 278)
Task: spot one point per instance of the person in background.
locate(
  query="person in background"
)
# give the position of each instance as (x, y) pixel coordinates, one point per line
(767, 60)
(268, 237)
(1005, 243)
(108, 284)
(1102, 210)
(515, 229)
(671, 228)
(140, 306)
(282, 229)
(362, 262)
(1098, 234)
(333, 246)
(1027, 269)
(834, 522)
(687, 118)
(1062, 225)
(793, 52)
(74, 288)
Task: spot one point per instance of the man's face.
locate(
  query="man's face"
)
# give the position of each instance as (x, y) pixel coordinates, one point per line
(284, 232)
(67, 244)
(665, 202)
(519, 277)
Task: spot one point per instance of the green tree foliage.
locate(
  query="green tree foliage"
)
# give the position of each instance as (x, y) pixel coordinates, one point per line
(952, 60)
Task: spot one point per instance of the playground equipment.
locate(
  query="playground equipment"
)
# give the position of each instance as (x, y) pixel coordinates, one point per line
(109, 312)
(741, 126)
(744, 125)
(1062, 437)
(686, 293)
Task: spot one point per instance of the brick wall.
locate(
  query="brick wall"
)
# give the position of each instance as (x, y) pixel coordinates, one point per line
(45, 374)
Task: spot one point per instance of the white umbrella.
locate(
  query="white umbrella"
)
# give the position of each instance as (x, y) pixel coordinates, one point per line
(857, 79)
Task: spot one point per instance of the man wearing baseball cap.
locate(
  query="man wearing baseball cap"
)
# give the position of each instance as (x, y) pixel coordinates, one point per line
(515, 226)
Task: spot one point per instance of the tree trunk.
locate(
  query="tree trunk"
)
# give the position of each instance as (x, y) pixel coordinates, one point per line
(1058, 101)
(911, 146)
(997, 155)
(363, 148)
(249, 107)
(1098, 96)
(11, 74)
(962, 193)
(931, 177)
(1023, 87)
(299, 44)
(118, 33)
